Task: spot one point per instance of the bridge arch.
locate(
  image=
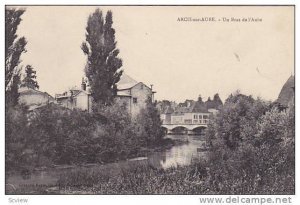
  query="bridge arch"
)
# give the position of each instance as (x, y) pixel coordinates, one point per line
(199, 129)
(179, 129)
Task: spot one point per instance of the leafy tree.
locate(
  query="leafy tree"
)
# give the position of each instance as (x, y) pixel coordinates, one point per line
(29, 80)
(103, 64)
(150, 123)
(237, 119)
(253, 148)
(200, 99)
(16, 142)
(14, 47)
(217, 101)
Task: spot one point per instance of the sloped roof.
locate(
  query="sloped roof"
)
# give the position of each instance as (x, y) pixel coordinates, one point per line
(198, 107)
(76, 92)
(30, 91)
(182, 110)
(287, 93)
(126, 82)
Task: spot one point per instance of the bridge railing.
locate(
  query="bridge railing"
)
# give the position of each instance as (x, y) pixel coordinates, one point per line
(195, 122)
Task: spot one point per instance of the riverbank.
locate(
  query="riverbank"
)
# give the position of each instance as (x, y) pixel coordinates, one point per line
(201, 178)
(38, 180)
(143, 179)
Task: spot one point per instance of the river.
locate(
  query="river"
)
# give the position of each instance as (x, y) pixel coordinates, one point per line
(178, 155)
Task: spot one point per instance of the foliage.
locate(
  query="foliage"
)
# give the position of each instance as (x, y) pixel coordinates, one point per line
(14, 47)
(17, 154)
(149, 123)
(29, 80)
(103, 64)
(217, 100)
(252, 148)
(56, 135)
(237, 119)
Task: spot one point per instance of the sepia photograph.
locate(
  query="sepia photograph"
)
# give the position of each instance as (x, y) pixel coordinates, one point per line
(149, 100)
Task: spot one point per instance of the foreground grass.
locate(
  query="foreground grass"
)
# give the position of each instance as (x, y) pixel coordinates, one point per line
(142, 179)
(145, 179)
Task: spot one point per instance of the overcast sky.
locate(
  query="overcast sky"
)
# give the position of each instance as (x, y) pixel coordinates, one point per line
(181, 59)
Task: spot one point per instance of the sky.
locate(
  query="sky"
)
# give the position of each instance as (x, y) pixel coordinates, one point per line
(182, 59)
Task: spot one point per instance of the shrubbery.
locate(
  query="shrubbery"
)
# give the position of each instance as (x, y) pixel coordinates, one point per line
(252, 152)
(55, 135)
(253, 148)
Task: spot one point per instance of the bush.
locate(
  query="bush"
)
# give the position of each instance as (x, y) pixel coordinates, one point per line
(55, 135)
(252, 148)
(18, 155)
(149, 124)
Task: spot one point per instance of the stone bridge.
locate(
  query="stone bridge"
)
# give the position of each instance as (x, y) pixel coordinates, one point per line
(184, 128)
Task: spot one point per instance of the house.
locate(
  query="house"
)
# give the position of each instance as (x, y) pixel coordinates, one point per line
(197, 113)
(131, 93)
(166, 115)
(34, 98)
(192, 112)
(79, 98)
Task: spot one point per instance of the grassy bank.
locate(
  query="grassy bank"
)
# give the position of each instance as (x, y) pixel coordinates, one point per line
(198, 178)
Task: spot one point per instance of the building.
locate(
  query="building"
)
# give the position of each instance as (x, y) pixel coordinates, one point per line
(197, 113)
(34, 98)
(131, 93)
(192, 112)
(79, 98)
(190, 117)
(165, 116)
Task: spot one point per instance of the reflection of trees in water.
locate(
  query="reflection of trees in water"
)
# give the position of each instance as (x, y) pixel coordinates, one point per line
(182, 154)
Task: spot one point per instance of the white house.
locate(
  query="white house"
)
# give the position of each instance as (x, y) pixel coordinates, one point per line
(131, 93)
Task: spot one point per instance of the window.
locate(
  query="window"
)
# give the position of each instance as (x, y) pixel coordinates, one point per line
(205, 117)
(200, 116)
(134, 100)
(195, 116)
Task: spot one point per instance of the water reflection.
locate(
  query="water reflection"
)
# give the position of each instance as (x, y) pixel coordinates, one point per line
(184, 154)
(177, 155)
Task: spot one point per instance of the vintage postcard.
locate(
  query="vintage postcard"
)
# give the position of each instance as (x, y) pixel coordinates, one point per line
(139, 100)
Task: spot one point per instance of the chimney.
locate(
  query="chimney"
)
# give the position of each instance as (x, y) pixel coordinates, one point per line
(83, 85)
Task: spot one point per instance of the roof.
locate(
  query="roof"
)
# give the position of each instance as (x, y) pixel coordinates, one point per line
(126, 82)
(287, 92)
(123, 93)
(182, 110)
(74, 93)
(30, 91)
(198, 107)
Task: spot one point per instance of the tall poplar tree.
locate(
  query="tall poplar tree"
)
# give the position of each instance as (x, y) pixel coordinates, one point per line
(14, 47)
(103, 64)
